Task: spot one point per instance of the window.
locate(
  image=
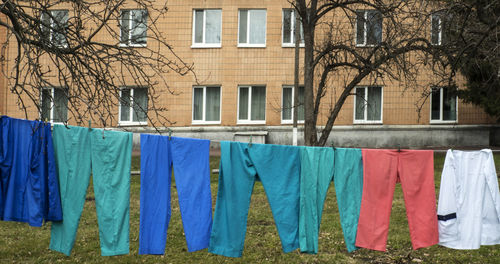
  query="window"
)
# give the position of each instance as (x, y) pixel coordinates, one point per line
(54, 24)
(436, 28)
(252, 104)
(54, 104)
(206, 105)
(287, 107)
(288, 39)
(133, 27)
(368, 27)
(443, 105)
(207, 28)
(252, 28)
(133, 106)
(368, 104)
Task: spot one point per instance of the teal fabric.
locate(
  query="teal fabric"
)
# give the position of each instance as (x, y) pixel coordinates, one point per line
(348, 180)
(315, 176)
(278, 168)
(79, 150)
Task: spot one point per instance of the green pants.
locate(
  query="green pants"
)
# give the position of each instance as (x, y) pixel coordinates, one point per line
(315, 176)
(79, 150)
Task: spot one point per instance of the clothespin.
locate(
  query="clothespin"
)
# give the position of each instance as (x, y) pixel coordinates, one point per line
(333, 147)
(103, 133)
(250, 143)
(90, 124)
(399, 147)
(169, 134)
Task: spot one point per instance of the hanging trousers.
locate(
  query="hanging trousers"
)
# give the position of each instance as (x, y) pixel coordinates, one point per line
(80, 151)
(278, 167)
(415, 170)
(29, 188)
(190, 161)
(348, 179)
(316, 173)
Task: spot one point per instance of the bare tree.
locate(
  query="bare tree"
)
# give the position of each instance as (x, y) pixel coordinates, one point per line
(358, 40)
(92, 49)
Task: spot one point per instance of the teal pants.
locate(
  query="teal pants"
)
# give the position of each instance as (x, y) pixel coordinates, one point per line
(348, 180)
(278, 168)
(80, 151)
(315, 176)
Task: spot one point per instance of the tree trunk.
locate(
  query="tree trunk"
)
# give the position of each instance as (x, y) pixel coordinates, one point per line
(310, 134)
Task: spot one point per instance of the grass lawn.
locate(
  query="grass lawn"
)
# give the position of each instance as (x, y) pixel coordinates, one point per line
(22, 243)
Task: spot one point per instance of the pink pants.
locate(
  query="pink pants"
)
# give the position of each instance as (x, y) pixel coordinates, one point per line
(381, 170)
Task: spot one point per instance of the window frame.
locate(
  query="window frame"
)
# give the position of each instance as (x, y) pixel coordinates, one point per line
(247, 44)
(52, 104)
(248, 121)
(365, 115)
(365, 29)
(129, 39)
(289, 121)
(441, 104)
(130, 122)
(439, 16)
(204, 112)
(292, 30)
(204, 44)
(52, 25)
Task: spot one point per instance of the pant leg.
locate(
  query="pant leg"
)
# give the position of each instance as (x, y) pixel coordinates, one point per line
(278, 168)
(416, 170)
(72, 152)
(192, 178)
(236, 181)
(111, 158)
(53, 209)
(316, 172)
(348, 179)
(156, 171)
(379, 181)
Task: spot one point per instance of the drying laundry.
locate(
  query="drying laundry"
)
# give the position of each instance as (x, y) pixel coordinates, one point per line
(29, 188)
(107, 154)
(381, 169)
(316, 173)
(348, 179)
(190, 161)
(278, 167)
(469, 200)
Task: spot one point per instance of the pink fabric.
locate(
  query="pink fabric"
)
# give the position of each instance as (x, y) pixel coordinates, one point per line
(381, 170)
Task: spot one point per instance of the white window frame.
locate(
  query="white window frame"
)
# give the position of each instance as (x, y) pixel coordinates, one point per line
(365, 31)
(130, 122)
(248, 45)
(438, 16)
(203, 44)
(289, 121)
(52, 26)
(129, 44)
(441, 104)
(52, 95)
(203, 122)
(365, 116)
(292, 44)
(248, 121)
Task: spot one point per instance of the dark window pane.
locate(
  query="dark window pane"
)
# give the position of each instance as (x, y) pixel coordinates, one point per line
(60, 108)
(258, 103)
(286, 113)
(287, 26)
(449, 105)
(360, 27)
(59, 24)
(213, 104)
(198, 104)
(435, 104)
(243, 104)
(198, 26)
(46, 104)
(360, 104)
(243, 26)
(435, 29)
(140, 105)
(300, 109)
(125, 26)
(374, 103)
(374, 27)
(125, 105)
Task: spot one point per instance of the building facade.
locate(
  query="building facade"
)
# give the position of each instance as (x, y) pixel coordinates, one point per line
(243, 57)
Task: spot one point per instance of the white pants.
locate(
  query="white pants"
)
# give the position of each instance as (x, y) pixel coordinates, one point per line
(469, 200)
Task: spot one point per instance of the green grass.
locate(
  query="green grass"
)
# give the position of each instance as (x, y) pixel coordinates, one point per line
(21, 243)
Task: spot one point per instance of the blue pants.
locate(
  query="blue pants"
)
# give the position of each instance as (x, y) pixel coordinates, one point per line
(278, 168)
(79, 151)
(348, 180)
(316, 173)
(29, 188)
(190, 160)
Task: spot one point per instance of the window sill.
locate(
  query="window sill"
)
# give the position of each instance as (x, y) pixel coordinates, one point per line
(361, 122)
(133, 45)
(290, 122)
(247, 122)
(206, 46)
(197, 122)
(251, 45)
(443, 122)
(123, 124)
(366, 46)
(291, 45)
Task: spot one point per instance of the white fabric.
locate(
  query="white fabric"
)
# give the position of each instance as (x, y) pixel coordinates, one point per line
(469, 188)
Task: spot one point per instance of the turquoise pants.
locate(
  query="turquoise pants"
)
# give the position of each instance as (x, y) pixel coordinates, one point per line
(315, 176)
(348, 179)
(278, 168)
(80, 151)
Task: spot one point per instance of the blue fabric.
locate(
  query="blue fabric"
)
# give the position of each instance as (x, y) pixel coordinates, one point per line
(348, 180)
(190, 161)
(278, 167)
(29, 188)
